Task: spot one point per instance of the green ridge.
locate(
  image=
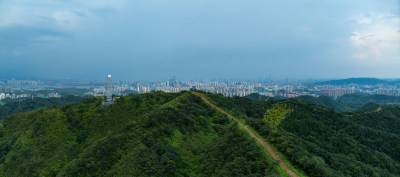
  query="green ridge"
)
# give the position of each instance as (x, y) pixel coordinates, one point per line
(177, 134)
(323, 142)
(153, 134)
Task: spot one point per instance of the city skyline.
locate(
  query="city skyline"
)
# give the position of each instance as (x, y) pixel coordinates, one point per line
(23, 89)
(150, 40)
(267, 78)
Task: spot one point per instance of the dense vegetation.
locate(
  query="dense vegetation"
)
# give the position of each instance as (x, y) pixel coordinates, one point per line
(153, 134)
(356, 101)
(352, 102)
(256, 96)
(277, 113)
(127, 92)
(327, 102)
(345, 103)
(177, 134)
(323, 142)
(31, 104)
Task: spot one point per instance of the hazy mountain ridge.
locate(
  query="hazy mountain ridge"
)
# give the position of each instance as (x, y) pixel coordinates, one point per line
(345, 103)
(359, 81)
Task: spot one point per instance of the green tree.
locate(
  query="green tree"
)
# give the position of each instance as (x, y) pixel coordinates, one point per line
(277, 113)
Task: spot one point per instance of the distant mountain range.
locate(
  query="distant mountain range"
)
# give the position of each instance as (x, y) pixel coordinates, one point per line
(359, 81)
(345, 103)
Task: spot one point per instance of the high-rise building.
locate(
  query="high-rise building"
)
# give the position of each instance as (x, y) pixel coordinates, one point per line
(172, 82)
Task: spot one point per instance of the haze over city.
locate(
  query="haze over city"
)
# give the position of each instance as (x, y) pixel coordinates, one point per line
(156, 39)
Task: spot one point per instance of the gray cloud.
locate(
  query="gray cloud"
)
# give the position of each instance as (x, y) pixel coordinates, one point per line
(22, 36)
(155, 39)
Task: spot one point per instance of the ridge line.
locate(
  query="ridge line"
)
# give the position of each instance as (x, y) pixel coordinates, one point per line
(265, 145)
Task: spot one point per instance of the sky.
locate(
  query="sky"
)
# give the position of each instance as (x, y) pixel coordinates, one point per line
(199, 39)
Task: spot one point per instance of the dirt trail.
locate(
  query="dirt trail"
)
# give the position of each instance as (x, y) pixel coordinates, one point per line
(266, 146)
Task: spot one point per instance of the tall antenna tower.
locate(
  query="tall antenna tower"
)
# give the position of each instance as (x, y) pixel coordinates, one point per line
(108, 89)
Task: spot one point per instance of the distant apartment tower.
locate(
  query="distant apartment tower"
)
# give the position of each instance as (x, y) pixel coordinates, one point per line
(108, 91)
(281, 92)
(336, 92)
(172, 82)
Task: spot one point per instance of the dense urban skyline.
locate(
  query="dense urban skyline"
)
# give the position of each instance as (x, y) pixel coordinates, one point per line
(156, 39)
(23, 89)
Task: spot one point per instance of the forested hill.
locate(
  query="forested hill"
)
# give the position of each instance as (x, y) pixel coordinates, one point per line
(256, 96)
(31, 104)
(177, 134)
(327, 102)
(352, 102)
(153, 134)
(356, 101)
(321, 141)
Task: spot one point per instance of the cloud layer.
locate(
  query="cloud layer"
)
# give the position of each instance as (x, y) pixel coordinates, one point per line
(155, 39)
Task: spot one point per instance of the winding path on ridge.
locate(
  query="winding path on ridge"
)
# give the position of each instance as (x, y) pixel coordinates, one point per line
(266, 146)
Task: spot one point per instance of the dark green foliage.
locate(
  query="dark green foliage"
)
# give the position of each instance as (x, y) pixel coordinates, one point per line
(153, 134)
(323, 142)
(235, 154)
(31, 104)
(327, 102)
(369, 106)
(177, 134)
(352, 102)
(256, 96)
(127, 92)
(356, 101)
(240, 105)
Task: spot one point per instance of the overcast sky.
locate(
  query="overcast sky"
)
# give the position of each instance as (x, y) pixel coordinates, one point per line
(199, 39)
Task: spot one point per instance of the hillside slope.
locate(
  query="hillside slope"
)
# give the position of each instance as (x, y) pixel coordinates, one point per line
(260, 140)
(154, 134)
(32, 104)
(356, 101)
(256, 96)
(352, 102)
(327, 102)
(177, 134)
(323, 142)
